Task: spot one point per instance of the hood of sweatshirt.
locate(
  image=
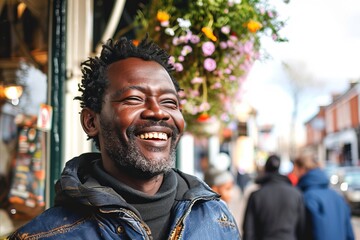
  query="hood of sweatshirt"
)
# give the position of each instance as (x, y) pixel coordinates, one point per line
(315, 178)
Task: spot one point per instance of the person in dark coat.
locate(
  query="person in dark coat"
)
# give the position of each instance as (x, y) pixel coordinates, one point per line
(328, 215)
(275, 211)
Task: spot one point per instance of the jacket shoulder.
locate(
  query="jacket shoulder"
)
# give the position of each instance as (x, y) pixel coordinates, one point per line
(52, 222)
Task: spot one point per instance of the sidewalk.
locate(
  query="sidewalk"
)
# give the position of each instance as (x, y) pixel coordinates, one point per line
(236, 206)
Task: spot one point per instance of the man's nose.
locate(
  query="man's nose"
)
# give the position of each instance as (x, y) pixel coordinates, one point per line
(154, 111)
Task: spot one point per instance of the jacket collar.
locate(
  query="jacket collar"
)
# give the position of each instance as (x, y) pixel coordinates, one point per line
(77, 184)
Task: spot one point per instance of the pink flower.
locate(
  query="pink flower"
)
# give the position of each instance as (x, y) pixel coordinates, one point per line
(204, 107)
(216, 85)
(225, 117)
(232, 78)
(227, 70)
(178, 67)
(183, 39)
(248, 47)
(171, 60)
(175, 41)
(194, 39)
(209, 64)
(233, 38)
(181, 94)
(181, 58)
(186, 50)
(223, 45)
(208, 48)
(194, 93)
(164, 23)
(230, 43)
(196, 80)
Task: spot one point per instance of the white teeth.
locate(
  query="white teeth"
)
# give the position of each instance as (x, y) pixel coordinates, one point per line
(151, 135)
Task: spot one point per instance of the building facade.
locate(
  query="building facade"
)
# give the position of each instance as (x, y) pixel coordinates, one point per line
(333, 133)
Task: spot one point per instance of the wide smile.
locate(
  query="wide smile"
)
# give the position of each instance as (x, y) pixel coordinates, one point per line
(161, 136)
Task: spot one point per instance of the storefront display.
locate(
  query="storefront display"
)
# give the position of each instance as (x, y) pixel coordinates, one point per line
(27, 189)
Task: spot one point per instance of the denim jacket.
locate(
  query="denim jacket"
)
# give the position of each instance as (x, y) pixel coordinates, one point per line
(87, 210)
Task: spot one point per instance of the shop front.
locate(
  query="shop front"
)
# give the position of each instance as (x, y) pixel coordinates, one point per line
(42, 44)
(31, 78)
(342, 148)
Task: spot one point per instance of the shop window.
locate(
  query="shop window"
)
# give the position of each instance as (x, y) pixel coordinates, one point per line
(23, 88)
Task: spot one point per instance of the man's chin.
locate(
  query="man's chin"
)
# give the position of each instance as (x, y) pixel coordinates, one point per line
(140, 173)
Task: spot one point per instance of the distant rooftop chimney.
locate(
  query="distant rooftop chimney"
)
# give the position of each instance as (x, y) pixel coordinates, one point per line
(354, 82)
(334, 96)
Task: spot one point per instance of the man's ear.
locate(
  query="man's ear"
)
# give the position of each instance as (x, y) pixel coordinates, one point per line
(89, 122)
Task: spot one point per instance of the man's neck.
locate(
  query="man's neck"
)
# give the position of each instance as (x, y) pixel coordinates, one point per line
(149, 186)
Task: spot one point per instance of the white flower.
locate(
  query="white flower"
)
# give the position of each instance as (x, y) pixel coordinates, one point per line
(169, 31)
(183, 23)
(231, 2)
(225, 29)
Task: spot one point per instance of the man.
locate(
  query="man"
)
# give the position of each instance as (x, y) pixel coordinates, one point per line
(276, 209)
(130, 108)
(328, 215)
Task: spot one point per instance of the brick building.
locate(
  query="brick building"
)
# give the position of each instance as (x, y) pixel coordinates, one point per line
(333, 133)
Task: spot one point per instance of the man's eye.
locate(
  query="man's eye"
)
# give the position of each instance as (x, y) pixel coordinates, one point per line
(133, 100)
(170, 103)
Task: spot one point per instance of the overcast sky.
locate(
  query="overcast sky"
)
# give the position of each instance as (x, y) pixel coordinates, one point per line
(325, 36)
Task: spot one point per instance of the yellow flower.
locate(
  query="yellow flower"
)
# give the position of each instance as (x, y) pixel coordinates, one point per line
(162, 16)
(209, 33)
(254, 26)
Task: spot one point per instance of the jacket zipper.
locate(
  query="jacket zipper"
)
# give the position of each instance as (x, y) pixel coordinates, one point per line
(176, 234)
(145, 227)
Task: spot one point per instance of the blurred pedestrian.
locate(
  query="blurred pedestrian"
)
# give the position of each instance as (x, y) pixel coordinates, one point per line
(276, 210)
(293, 178)
(221, 182)
(242, 179)
(328, 215)
(251, 187)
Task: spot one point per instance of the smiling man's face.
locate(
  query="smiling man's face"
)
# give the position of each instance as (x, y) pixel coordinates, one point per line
(140, 120)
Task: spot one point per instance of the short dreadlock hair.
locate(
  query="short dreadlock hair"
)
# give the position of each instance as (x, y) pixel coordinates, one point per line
(94, 80)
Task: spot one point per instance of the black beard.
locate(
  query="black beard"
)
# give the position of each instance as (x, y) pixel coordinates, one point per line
(127, 156)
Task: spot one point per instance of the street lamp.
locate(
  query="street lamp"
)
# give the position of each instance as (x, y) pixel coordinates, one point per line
(11, 92)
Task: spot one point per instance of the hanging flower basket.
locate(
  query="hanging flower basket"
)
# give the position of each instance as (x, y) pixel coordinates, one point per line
(213, 44)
